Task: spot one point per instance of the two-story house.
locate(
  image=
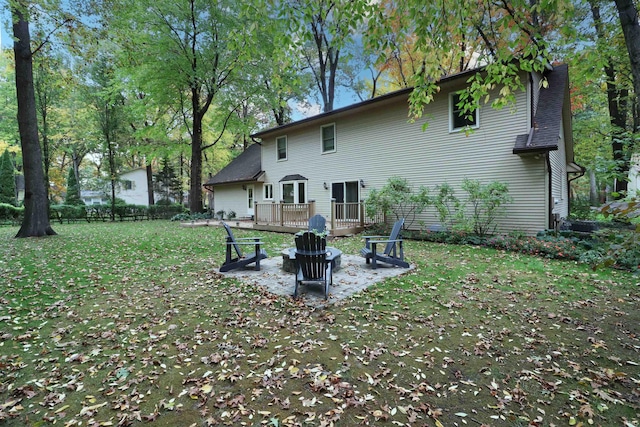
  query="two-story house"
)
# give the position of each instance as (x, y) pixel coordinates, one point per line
(343, 154)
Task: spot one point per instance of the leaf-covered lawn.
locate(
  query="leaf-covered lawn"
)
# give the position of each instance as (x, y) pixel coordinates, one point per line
(130, 324)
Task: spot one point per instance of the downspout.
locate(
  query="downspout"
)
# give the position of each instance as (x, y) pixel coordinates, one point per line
(549, 192)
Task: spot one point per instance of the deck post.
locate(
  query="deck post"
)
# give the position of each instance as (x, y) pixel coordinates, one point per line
(282, 212)
(333, 214)
(361, 213)
(255, 212)
(312, 208)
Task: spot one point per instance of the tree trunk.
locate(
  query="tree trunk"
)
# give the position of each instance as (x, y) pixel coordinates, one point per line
(75, 162)
(152, 200)
(628, 13)
(112, 165)
(195, 187)
(618, 108)
(36, 205)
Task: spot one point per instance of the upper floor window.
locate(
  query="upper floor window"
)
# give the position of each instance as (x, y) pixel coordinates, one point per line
(128, 185)
(281, 147)
(458, 118)
(328, 133)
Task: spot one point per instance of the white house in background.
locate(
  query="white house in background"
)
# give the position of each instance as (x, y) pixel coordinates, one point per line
(20, 188)
(345, 153)
(234, 188)
(91, 197)
(634, 175)
(132, 187)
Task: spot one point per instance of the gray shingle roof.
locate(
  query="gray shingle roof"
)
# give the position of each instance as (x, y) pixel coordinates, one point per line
(548, 118)
(246, 167)
(294, 177)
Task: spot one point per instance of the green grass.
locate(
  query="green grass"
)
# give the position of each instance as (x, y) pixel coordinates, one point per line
(131, 324)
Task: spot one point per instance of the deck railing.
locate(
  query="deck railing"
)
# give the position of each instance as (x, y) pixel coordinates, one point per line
(284, 214)
(343, 215)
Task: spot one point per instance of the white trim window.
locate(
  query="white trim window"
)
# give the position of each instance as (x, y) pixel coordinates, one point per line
(281, 148)
(293, 191)
(458, 119)
(328, 138)
(267, 191)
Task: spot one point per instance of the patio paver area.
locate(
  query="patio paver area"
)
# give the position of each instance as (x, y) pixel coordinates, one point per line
(353, 277)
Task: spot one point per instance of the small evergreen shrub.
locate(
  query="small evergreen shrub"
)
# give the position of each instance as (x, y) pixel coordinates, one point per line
(7, 180)
(73, 190)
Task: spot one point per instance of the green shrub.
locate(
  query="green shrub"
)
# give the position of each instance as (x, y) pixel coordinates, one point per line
(7, 180)
(165, 211)
(98, 212)
(484, 203)
(447, 206)
(623, 244)
(135, 212)
(181, 217)
(8, 212)
(581, 209)
(185, 216)
(67, 213)
(397, 198)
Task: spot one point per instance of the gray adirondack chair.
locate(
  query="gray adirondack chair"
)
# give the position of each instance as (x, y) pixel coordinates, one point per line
(393, 252)
(318, 224)
(312, 265)
(235, 258)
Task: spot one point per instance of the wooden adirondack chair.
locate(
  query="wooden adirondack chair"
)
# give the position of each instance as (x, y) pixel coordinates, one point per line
(318, 224)
(312, 265)
(232, 262)
(393, 252)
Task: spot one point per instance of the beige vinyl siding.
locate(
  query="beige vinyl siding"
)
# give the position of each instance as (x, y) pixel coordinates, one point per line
(559, 190)
(233, 198)
(380, 142)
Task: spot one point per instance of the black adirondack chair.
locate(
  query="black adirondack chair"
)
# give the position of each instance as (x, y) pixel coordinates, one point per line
(235, 258)
(393, 252)
(312, 265)
(318, 224)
